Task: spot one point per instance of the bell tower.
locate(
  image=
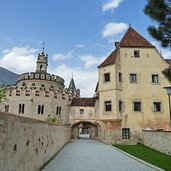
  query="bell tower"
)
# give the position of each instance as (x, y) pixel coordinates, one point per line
(42, 62)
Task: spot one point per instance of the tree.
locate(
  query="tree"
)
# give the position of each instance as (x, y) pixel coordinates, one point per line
(2, 94)
(160, 11)
(167, 73)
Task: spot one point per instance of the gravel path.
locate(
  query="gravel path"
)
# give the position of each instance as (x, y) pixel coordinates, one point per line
(91, 155)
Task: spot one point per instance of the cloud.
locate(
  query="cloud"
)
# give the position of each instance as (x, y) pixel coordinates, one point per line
(112, 29)
(79, 46)
(91, 60)
(111, 5)
(19, 59)
(61, 56)
(84, 80)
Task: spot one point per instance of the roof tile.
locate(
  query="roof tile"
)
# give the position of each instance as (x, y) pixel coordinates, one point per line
(83, 102)
(133, 39)
(109, 60)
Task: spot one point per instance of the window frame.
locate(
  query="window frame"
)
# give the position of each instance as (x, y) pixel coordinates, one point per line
(120, 77)
(108, 106)
(133, 78)
(120, 106)
(153, 78)
(125, 133)
(107, 77)
(137, 108)
(81, 111)
(136, 53)
(155, 107)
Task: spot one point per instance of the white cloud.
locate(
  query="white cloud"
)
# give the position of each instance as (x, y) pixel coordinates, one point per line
(84, 80)
(79, 46)
(111, 5)
(19, 59)
(112, 29)
(91, 60)
(61, 56)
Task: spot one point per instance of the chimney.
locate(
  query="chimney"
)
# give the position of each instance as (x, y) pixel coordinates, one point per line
(116, 44)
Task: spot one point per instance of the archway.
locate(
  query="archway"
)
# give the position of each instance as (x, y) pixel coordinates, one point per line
(85, 130)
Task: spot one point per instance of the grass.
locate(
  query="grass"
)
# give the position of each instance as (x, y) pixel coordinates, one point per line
(147, 154)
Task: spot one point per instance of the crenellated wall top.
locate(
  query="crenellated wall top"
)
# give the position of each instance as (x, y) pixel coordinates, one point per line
(40, 76)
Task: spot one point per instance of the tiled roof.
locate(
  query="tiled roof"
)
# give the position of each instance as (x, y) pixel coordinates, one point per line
(133, 39)
(83, 102)
(109, 60)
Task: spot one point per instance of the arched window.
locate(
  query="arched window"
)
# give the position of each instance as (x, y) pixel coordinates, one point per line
(41, 67)
(57, 110)
(41, 109)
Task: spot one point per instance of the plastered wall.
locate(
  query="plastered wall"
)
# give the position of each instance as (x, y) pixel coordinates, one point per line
(26, 144)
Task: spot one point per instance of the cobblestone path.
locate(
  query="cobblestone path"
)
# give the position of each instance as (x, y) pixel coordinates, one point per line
(91, 155)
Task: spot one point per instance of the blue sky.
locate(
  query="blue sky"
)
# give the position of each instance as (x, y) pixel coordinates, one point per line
(78, 35)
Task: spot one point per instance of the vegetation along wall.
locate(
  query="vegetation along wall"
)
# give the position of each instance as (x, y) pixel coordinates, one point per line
(26, 144)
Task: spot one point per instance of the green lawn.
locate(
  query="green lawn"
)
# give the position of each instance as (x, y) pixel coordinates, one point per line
(147, 154)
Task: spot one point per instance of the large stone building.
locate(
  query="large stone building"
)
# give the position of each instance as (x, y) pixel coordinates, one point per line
(129, 94)
(39, 94)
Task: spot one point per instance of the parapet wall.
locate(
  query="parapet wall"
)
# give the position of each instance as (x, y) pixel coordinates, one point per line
(40, 76)
(158, 140)
(26, 144)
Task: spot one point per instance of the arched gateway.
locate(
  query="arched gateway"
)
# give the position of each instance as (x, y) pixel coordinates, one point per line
(90, 128)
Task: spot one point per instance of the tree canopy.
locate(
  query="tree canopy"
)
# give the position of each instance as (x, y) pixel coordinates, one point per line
(160, 11)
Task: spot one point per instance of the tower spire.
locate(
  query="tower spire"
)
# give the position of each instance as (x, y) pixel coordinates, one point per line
(43, 47)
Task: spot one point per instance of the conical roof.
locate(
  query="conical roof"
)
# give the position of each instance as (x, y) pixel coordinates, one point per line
(72, 85)
(133, 39)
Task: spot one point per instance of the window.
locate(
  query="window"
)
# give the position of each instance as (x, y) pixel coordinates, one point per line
(21, 108)
(125, 133)
(81, 111)
(133, 78)
(60, 109)
(157, 106)
(57, 110)
(137, 106)
(136, 53)
(106, 77)
(7, 108)
(120, 106)
(155, 78)
(40, 109)
(120, 77)
(108, 106)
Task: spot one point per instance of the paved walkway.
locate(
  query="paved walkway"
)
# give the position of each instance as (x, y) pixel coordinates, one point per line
(91, 155)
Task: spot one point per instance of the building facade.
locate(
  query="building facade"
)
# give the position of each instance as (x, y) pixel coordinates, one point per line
(129, 95)
(39, 94)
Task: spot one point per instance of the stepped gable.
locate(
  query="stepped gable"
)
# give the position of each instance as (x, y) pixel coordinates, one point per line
(83, 102)
(133, 39)
(109, 60)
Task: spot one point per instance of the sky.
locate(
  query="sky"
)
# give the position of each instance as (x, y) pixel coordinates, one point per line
(78, 35)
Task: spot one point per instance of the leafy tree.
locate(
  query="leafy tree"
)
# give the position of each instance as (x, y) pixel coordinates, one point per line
(160, 11)
(2, 94)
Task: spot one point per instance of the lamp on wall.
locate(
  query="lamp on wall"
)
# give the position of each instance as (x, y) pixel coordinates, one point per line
(168, 90)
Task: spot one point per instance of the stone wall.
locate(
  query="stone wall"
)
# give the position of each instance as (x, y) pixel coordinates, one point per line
(158, 140)
(26, 144)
